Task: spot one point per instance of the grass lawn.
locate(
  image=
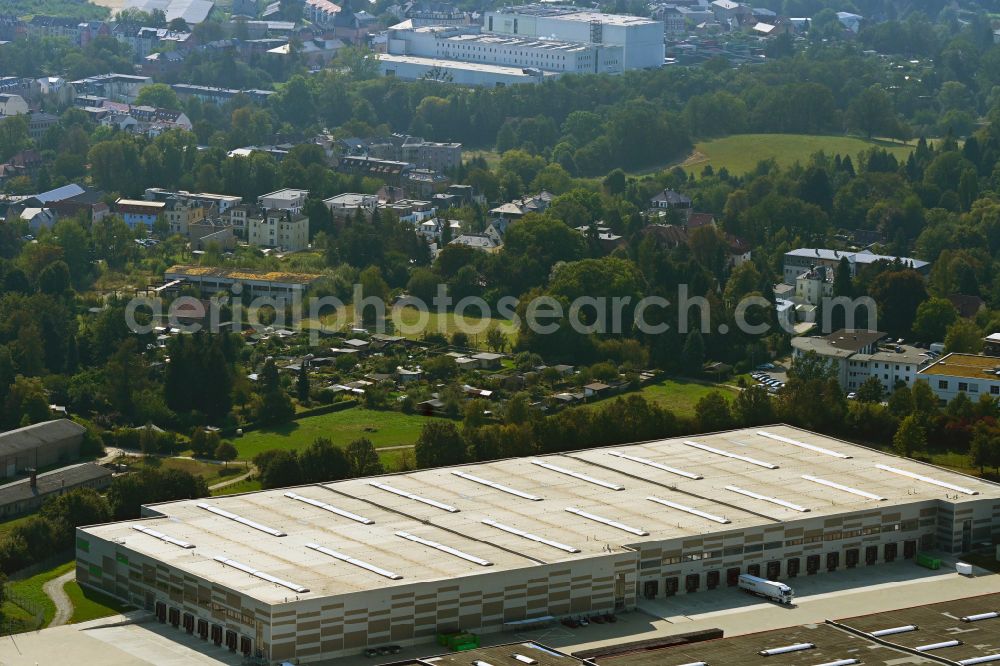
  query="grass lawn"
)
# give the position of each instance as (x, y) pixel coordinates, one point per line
(244, 486)
(210, 472)
(382, 428)
(7, 525)
(740, 153)
(446, 324)
(91, 604)
(30, 589)
(680, 395)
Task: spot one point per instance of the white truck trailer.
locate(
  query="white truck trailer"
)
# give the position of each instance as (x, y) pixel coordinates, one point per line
(768, 589)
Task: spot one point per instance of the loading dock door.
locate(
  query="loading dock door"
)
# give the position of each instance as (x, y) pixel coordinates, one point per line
(832, 561)
(712, 579)
(753, 569)
(792, 567)
(773, 569)
(890, 552)
(161, 611)
(217, 634)
(852, 555)
(692, 582)
(203, 628)
(650, 589)
(812, 564)
(670, 586)
(231, 638)
(733, 576)
(246, 645)
(909, 549)
(871, 554)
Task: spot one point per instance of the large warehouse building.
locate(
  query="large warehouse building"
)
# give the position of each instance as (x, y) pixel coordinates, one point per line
(325, 570)
(641, 39)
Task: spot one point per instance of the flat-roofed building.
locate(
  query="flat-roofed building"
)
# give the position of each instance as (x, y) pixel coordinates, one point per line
(211, 279)
(286, 199)
(543, 52)
(963, 373)
(346, 205)
(857, 355)
(325, 570)
(641, 39)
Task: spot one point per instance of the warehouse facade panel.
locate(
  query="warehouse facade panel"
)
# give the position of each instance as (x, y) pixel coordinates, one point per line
(326, 570)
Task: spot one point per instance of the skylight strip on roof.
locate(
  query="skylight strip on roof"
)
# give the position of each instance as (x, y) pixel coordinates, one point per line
(241, 520)
(350, 560)
(846, 489)
(162, 537)
(802, 445)
(927, 479)
(498, 486)
(765, 498)
(260, 574)
(445, 549)
(687, 509)
(727, 454)
(528, 535)
(653, 463)
(332, 509)
(415, 498)
(607, 521)
(577, 475)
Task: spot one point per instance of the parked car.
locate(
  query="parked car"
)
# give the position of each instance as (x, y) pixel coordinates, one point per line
(852, 396)
(371, 652)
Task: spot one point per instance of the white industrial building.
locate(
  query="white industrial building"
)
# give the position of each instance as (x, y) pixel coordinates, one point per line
(459, 43)
(325, 570)
(641, 39)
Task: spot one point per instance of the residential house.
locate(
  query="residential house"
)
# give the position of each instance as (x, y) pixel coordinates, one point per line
(12, 105)
(180, 213)
(815, 285)
(139, 211)
(482, 242)
(38, 219)
(671, 200)
(991, 344)
(39, 123)
(284, 229)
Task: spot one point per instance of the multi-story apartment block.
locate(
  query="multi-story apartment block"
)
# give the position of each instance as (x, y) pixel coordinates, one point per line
(283, 229)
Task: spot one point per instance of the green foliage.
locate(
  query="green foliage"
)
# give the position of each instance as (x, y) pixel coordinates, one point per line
(910, 437)
(149, 485)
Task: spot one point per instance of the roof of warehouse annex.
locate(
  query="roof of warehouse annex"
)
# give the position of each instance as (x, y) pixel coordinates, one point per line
(369, 533)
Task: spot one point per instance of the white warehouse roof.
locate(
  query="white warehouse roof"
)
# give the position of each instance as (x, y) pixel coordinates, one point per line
(370, 533)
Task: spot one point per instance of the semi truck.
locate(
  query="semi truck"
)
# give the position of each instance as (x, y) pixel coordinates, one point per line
(768, 589)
